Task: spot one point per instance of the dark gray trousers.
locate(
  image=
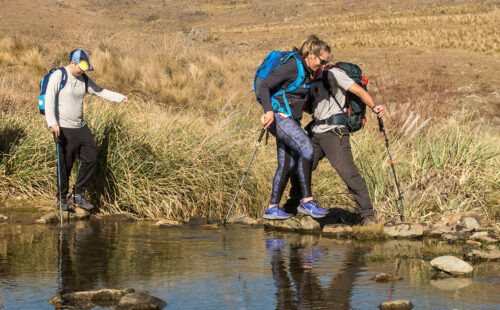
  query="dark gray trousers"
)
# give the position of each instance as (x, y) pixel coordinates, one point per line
(77, 142)
(337, 149)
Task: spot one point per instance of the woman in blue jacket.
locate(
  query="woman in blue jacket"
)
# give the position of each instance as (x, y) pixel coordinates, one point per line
(294, 148)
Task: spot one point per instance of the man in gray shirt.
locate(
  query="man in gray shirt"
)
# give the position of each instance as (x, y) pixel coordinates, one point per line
(65, 119)
(333, 141)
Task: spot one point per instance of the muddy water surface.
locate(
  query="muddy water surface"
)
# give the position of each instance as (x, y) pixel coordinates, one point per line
(232, 268)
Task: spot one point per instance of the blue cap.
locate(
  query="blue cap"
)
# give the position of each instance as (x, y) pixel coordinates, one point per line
(81, 57)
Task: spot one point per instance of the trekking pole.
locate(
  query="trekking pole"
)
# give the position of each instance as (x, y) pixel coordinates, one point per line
(245, 174)
(58, 147)
(382, 129)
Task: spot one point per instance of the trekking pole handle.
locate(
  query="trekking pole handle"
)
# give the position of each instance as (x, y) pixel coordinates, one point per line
(380, 124)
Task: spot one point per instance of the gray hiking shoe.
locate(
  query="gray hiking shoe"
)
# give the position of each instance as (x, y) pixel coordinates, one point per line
(79, 200)
(65, 206)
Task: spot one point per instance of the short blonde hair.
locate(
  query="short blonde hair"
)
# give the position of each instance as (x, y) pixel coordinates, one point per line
(313, 45)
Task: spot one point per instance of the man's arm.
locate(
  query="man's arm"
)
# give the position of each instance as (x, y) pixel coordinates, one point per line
(94, 89)
(367, 99)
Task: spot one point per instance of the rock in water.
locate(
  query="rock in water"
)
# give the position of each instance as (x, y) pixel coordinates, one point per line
(298, 223)
(140, 301)
(396, 305)
(452, 265)
(337, 230)
(404, 230)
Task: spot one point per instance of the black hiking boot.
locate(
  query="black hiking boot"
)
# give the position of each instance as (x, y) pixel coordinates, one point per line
(79, 200)
(65, 206)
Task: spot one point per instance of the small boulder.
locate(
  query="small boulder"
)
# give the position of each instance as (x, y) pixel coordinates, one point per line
(385, 277)
(48, 218)
(85, 297)
(471, 224)
(137, 301)
(80, 214)
(452, 236)
(296, 223)
(242, 219)
(484, 255)
(473, 243)
(452, 265)
(403, 230)
(485, 237)
(214, 220)
(167, 223)
(197, 221)
(340, 230)
(451, 219)
(3, 218)
(396, 305)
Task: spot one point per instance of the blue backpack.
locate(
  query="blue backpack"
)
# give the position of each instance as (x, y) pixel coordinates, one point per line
(272, 61)
(43, 87)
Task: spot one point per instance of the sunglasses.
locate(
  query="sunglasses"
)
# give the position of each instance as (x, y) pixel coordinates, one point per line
(322, 61)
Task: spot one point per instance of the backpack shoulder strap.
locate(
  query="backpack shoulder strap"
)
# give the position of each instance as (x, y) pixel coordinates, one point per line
(64, 78)
(298, 83)
(86, 79)
(327, 85)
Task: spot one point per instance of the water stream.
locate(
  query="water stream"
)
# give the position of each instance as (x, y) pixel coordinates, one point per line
(232, 268)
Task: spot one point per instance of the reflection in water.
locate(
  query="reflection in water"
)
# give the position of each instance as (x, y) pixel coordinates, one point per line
(299, 286)
(84, 256)
(234, 268)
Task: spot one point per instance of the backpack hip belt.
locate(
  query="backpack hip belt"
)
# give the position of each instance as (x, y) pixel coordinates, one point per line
(336, 119)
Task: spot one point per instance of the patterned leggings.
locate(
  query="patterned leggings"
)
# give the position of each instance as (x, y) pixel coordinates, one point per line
(295, 151)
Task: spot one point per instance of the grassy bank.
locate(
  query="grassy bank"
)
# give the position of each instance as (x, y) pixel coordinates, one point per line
(180, 146)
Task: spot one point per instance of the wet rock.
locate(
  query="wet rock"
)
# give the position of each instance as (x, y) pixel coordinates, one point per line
(197, 221)
(403, 230)
(97, 217)
(484, 255)
(485, 237)
(89, 297)
(3, 218)
(396, 305)
(452, 236)
(492, 247)
(140, 301)
(471, 224)
(451, 218)
(48, 218)
(298, 223)
(473, 243)
(496, 227)
(214, 220)
(242, 219)
(451, 284)
(337, 230)
(167, 223)
(80, 214)
(385, 277)
(452, 265)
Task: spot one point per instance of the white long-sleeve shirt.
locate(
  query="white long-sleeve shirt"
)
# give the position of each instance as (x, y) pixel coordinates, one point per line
(67, 112)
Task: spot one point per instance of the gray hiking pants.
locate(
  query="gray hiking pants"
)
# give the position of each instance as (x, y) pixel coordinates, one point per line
(337, 149)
